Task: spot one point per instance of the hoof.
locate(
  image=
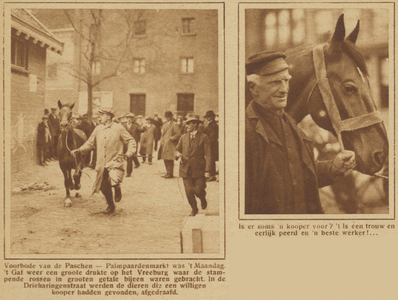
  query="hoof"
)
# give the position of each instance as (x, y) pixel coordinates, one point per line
(77, 186)
(68, 203)
(77, 195)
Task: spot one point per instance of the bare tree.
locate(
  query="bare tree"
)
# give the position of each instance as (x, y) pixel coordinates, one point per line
(97, 48)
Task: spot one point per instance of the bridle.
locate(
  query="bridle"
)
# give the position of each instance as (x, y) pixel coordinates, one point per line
(338, 124)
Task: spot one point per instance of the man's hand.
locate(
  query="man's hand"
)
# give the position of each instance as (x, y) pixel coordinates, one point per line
(207, 175)
(75, 152)
(343, 162)
(178, 155)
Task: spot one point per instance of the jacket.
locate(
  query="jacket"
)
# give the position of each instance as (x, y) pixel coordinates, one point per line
(196, 155)
(263, 181)
(109, 141)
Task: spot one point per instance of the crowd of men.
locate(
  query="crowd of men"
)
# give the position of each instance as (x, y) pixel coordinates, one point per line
(135, 138)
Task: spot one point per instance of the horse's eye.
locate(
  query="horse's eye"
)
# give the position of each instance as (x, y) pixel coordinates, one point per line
(350, 89)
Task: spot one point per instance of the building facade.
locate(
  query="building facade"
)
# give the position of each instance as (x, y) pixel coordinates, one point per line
(30, 40)
(145, 61)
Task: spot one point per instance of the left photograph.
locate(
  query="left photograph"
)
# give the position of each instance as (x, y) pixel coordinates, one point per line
(112, 120)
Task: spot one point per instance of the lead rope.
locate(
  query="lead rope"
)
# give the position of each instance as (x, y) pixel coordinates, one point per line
(339, 125)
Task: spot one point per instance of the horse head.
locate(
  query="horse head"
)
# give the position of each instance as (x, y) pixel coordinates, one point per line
(345, 72)
(65, 113)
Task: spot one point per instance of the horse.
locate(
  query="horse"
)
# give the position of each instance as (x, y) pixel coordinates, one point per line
(70, 139)
(330, 82)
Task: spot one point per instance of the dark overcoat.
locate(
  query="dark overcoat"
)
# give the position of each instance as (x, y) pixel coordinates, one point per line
(195, 156)
(211, 131)
(170, 137)
(264, 183)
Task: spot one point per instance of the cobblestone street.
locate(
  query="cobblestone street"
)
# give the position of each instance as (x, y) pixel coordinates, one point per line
(147, 220)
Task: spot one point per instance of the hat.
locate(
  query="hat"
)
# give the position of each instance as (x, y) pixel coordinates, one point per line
(79, 117)
(85, 116)
(95, 116)
(44, 117)
(107, 110)
(266, 63)
(139, 116)
(168, 114)
(149, 119)
(53, 108)
(210, 114)
(193, 118)
(130, 115)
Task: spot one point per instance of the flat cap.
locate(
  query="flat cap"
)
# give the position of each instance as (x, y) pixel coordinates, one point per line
(130, 115)
(107, 110)
(266, 63)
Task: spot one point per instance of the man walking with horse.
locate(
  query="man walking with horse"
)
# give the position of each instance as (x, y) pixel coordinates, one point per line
(109, 138)
(282, 176)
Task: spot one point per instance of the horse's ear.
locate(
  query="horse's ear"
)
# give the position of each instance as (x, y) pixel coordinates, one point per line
(71, 107)
(354, 34)
(59, 104)
(338, 36)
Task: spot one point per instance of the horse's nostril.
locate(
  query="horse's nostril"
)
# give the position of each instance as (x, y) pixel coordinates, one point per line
(378, 157)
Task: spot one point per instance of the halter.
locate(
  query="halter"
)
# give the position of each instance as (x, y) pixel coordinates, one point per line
(339, 125)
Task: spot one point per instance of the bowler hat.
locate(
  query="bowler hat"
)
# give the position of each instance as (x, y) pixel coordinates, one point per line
(193, 118)
(107, 110)
(210, 114)
(266, 63)
(168, 114)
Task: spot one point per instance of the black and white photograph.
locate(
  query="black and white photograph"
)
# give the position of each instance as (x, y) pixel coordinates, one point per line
(317, 115)
(114, 116)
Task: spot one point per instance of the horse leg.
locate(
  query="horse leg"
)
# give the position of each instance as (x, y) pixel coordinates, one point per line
(77, 175)
(67, 180)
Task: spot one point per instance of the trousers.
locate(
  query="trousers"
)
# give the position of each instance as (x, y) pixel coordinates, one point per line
(195, 187)
(106, 188)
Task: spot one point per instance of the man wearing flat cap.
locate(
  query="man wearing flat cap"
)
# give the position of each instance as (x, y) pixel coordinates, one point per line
(282, 176)
(109, 139)
(167, 150)
(194, 150)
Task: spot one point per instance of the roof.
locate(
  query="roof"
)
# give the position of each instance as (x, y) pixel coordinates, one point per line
(25, 22)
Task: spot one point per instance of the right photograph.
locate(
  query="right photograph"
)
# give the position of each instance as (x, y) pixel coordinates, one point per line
(316, 124)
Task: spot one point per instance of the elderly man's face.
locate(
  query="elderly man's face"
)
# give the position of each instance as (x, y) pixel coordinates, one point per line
(271, 91)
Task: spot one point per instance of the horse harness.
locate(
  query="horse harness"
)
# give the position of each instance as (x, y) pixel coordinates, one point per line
(338, 124)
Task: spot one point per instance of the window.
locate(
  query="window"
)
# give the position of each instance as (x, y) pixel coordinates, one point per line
(96, 67)
(185, 102)
(139, 27)
(52, 70)
(188, 25)
(19, 53)
(187, 65)
(139, 65)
